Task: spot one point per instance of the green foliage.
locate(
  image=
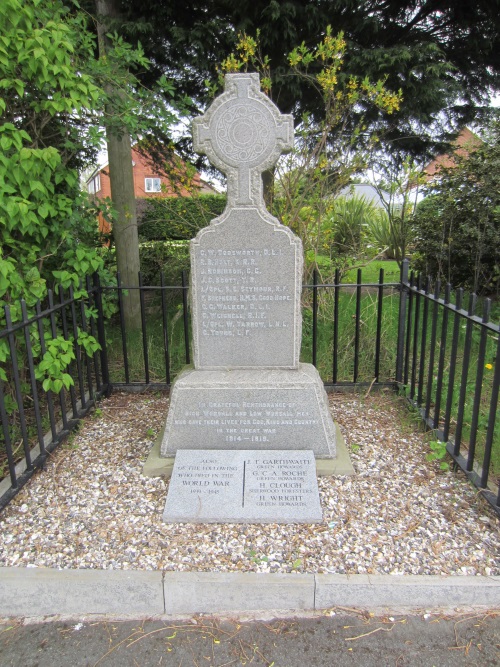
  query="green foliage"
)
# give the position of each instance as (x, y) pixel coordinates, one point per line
(344, 226)
(51, 93)
(445, 55)
(438, 453)
(55, 98)
(55, 361)
(327, 151)
(88, 342)
(380, 232)
(47, 227)
(45, 94)
(178, 218)
(171, 257)
(457, 228)
(397, 181)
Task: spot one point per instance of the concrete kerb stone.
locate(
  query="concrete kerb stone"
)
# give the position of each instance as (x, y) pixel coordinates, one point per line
(417, 591)
(216, 592)
(41, 592)
(47, 592)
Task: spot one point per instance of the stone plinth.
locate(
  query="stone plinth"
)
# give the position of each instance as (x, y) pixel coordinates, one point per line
(250, 409)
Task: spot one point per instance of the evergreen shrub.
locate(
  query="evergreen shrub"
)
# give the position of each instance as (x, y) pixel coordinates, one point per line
(171, 257)
(177, 218)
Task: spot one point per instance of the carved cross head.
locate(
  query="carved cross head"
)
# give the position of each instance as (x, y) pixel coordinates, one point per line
(243, 133)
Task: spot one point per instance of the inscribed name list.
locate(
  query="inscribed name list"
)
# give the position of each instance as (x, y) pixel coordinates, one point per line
(243, 487)
(246, 280)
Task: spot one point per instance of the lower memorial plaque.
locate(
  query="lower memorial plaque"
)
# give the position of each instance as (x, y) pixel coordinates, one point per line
(243, 486)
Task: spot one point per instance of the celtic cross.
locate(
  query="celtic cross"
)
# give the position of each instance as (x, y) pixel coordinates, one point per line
(243, 133)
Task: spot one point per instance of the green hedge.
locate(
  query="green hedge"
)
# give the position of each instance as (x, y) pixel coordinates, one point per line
(171, 257)
(177, 218)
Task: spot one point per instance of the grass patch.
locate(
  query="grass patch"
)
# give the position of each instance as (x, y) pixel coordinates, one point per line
(155, 336)
(370, 272)
(346, 346)
(473, 387)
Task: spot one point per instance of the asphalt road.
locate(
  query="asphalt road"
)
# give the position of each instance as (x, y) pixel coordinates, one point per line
(336, 638)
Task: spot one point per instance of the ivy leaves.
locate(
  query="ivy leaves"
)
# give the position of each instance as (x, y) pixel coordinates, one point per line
(59, 354)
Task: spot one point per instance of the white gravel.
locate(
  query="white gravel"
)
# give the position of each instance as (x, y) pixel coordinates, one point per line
(91, 507)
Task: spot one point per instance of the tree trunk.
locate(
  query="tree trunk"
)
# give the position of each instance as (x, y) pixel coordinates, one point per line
(125, 234)
(268, 188)
(121, 178)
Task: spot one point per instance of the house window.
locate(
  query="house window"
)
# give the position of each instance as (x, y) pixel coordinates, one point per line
(95, 184)
(153, 184)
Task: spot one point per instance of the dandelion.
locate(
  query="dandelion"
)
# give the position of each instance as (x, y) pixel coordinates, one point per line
(489, 366)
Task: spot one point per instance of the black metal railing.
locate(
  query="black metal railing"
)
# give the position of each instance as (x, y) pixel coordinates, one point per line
(145, 355)
(450, 372)
(356, 311)
(405, 335)
(26, 409)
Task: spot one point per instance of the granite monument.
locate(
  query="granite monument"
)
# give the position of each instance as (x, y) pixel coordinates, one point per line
(247, 389)
(248, 425)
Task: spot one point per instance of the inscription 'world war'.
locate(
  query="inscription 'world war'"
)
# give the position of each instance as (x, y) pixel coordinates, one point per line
(241, 487)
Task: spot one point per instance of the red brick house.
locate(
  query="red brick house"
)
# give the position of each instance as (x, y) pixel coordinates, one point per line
(149, 181)
(465, 143)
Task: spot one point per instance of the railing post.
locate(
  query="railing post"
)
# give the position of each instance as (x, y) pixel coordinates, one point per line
(142, 304)
(17, 387)
(122, 327)
(492, 416)
(336, 327)
(101, 334)
(403, 299)
(315, 318)
(4, 419)
(185, 316)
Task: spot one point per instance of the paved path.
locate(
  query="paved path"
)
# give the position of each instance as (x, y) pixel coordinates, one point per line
(345, 638)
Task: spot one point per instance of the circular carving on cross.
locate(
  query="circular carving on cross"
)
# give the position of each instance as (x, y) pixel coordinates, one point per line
(243, 134)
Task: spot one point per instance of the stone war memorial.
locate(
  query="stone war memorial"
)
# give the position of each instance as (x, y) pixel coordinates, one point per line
(248, 425)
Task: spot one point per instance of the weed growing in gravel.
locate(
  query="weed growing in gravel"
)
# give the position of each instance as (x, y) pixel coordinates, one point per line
(438, 453)
(257, 559)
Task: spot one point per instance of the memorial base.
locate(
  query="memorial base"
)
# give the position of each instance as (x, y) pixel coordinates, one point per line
(159, 466)
(250, 409)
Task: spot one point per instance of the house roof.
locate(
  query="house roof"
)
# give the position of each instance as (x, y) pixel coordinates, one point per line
(205, 186)
(465, 143)
(369, 192)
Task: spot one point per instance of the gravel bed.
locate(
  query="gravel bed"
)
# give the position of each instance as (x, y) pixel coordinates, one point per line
(91, 508)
